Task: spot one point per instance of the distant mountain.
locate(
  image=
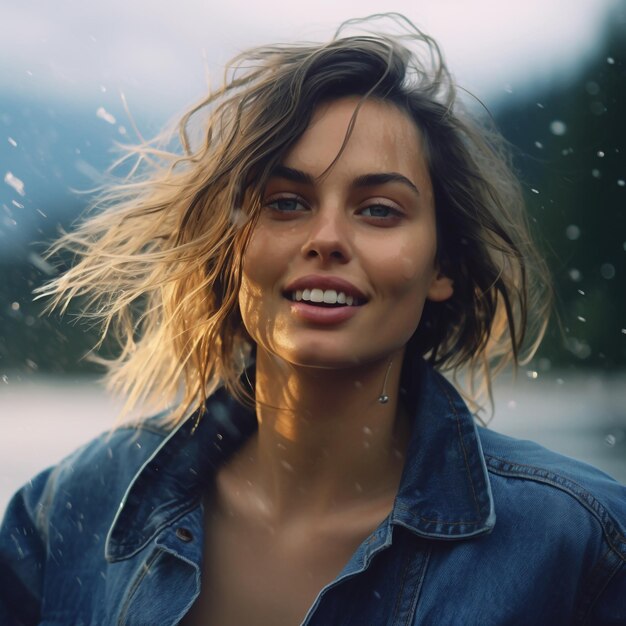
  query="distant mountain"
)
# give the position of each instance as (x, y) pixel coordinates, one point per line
(48, 149)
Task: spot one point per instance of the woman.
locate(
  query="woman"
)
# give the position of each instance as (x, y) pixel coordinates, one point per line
(287, 289)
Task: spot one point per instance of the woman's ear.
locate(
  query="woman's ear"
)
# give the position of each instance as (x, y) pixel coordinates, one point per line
(441, 287)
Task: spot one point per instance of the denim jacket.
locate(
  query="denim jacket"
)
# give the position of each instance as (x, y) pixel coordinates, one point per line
(484, 530)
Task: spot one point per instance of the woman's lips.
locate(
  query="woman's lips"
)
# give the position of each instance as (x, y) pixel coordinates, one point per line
(322, 315)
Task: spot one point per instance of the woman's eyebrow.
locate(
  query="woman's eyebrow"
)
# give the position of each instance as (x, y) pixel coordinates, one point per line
(372, 180)
(294, 175)
(365, 180)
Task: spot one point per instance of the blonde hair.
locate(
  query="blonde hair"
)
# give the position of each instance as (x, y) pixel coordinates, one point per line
(159, 262)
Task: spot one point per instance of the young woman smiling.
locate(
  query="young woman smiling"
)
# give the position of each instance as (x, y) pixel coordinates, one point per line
(287, 290)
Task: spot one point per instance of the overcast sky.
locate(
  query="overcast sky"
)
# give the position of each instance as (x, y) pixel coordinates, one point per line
(157, 52)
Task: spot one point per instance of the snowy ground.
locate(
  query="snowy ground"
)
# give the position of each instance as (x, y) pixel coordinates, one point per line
(43, 419)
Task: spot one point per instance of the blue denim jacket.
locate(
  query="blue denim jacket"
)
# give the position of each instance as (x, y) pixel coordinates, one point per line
(484, 530)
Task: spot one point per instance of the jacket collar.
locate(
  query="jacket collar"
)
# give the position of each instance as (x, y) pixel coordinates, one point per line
(444, 491)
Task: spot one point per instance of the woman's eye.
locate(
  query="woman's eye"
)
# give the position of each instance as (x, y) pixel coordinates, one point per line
(286, 205)
(380, 211)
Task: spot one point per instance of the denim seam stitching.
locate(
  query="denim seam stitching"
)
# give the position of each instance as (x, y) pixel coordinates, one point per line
(418, 587)
(570, 487)
(407, 509)
(465, 459)
(135, 585)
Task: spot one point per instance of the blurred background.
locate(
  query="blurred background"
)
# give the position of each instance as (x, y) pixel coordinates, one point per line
(552, 74)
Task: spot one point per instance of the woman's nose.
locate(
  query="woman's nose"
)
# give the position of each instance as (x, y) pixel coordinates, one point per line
(328, 238)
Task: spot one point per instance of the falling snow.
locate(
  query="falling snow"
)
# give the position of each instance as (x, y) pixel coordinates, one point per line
(557, 127)
(103, 114)
(572, 232)
(575, 275)
(607, 270)
(13, 181)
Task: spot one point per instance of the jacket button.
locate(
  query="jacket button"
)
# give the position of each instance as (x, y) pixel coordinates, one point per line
(184, 534)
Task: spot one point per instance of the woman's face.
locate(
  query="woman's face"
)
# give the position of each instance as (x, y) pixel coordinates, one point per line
(338, 268)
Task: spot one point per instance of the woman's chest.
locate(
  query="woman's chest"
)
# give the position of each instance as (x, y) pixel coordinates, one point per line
(257, 576)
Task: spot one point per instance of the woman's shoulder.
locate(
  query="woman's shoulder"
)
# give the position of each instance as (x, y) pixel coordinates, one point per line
(542, 483)
(114, 453)
(98, 472)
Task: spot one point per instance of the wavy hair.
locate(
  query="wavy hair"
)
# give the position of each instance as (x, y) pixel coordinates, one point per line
(158, 260)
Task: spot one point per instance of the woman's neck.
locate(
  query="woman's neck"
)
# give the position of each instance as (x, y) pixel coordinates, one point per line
(325, 443)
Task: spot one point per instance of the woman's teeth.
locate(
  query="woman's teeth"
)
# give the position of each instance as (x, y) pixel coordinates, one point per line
(326, 296)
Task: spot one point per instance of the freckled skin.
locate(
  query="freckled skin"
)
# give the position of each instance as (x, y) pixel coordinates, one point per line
(392, 262)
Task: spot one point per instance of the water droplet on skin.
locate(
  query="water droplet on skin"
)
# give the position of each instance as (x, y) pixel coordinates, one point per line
(532, 374)
(580, 318)
(12, 142)
(558, 128)
(358, 487)
(608, 271)
(601, 154)
(15, 306)
(581, 292)
(572, 232)
(535, 190)
(287, 466)
(367, 431)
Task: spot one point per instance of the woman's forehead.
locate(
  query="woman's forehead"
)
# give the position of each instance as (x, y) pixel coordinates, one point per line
(382, 139)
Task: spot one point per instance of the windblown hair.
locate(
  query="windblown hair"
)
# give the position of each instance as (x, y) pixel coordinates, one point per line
(158, 264)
